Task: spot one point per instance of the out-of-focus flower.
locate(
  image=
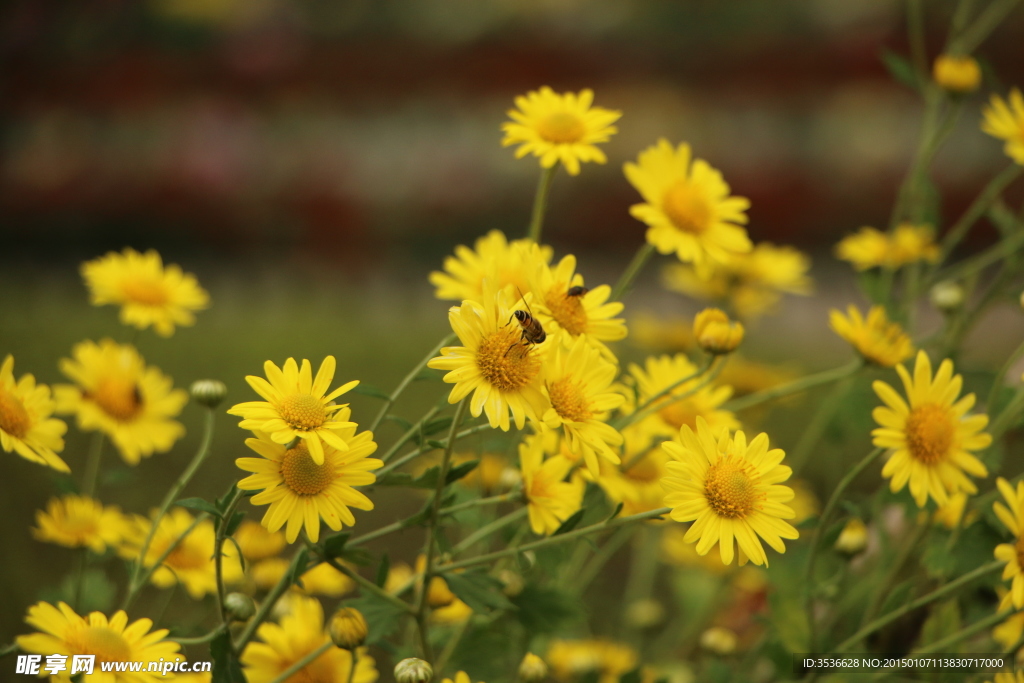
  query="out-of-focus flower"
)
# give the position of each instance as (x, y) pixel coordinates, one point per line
(879, 341)
(208, 392)
(79, 521)
(1005, 120)
(26, 425)
(571, 658)
(348, 628)
(957, 74)
(715, 333)
(503, 264)
(239, 606)
(853, 538)
(947, 296)
(719, 640)
(532, 669)
(951, 515)
(678, 379)
(1012, 516)
(550, 499)
(871, 248)
(258, 543)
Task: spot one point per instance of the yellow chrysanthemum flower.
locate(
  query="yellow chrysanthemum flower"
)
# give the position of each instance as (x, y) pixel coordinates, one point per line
(257, 542)
(148, 293)
(1010, 553)
(191, 563)
(636, 481)
(730, 490)
(323, 579)
(930, 438)
(297, 406)
(875, 338)
(658, 334)
(747, 376)
(570, 659)
(502, 263)
(957, 74)
(454, 612)
(1005, 120)
(677, 551)
(662, 372)
(302, 492)
(1012, 677)
(460, 677)
(716, 333)
(559, 128)
(550, 499)
(63, 632)
(1011, 630)
(687, 206)
(300, 633)
(119, 395)
(25, 423)
(750, 284)
(951, 515)
(871, 248)
(562, 303)
(494, 364)
(80, 522)
(578, 384)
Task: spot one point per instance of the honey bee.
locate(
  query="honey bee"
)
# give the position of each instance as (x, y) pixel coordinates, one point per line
(532, 331)
(577, 290)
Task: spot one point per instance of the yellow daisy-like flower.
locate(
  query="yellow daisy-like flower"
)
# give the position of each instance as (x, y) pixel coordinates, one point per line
(323, 579)
(687, 206)
(1005, 120)
(80, 522)
(297, 406)
(1010, 631)
(191, 563)
(25, 423)
(460, 677)
(1012, 553)
(661, 372)
(875, 338)
(957, 74)
(119, 395)
(550, 499)
(300, 633)
(679, 552)
(730, 490)
(502, 263)
(559, 128)
(494, 364)
(569, 659)
(871, 248)
(951, 515)
(658, 334)
(636, 481)
(750, 284)
(63, 632)
(454, 612)
(258, 543)
(301, 491)
(931, 438)
(564, 304)
(148, 293)
(578, 383)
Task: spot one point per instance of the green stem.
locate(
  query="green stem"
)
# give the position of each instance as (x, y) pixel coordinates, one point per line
(304, 662)
(600, 559)
(956, 29)
(218, 547)
(977, 209)
(640, 259)
(985, 24)
(370, 586)
(938, 594)
(488, 529)
(979, 262)
(449, 647)
(482, 502)
(283, 584)
(92, 465)
(469, 431)
(354, 652)
(402, 440)
(883, 588)
(199, 640)
(794, 387)
(376, 533)
(540, 202)
(648, 406)
(997, 383)
(406, 381)
(134, 588)
(815, 429)
(1006, 418)
(553, 540)
(915, 31)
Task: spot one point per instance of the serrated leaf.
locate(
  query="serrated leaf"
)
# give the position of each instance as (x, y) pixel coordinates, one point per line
(200, 505)
(428, 480)
(226, 667)
(570, 523)
(382, 570)
(479, 590)
(370, 390)
(543, 610)
(900, 69)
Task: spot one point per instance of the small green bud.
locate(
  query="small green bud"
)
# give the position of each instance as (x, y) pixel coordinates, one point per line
(413, 670)
(239, 606)
(208, 392)
(348, 628)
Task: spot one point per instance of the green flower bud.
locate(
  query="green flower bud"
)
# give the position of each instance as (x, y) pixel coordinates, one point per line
(413, 670)
(239, 606)
(209, 392)
(348, 628)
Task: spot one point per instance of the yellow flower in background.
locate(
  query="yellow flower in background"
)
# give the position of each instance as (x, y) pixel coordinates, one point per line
(148, 293)
(719, 640)
(1013, 518)
(867, 248)
(80, 522)
(298, 406)
(454, 612)
(805, 504)
(257, 542)
(677, 551)
(1011, 630)
(660, 334)
(460, 677)
(730, 490)
(578, 383)
(570, 659)
(871, 248)
(715, 333)
(559, 128)
(323, 579)
(636, 481)
(662, 372)
(26, 425)
(117, 394)
(502, 263)
(747, 376)
(300, 491)
(1005, 120)
(951, 515)
(494, 364)
(1017, 677)
(913, 243)
(63, 632)
(300, 633)
(550, 499)
(687, 206)
(191, 563)
(853, 539)
(879, 341)
(931, 438)
(956, 74)
(751, 284)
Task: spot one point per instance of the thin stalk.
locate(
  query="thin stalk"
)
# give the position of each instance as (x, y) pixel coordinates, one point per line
(218, 548)
(815, 429)
(882, 589)
(354, 652)
(199, 640)
(92, 465)
(600, 559)
(640, 259)
(648, 406)
(134, 588)
(481, 502)
(915, 31)
(985, 24)
(980, 261)
(540, 202)
(794, 387)
(376, 533)
(488, 529)
(409, 433)
(977, 209)
(469, 431)
(449, 647)
(1006, 418)
(406, 381)
(283, 584)
(371, 587)
(956, 29)
(304, 662)
(997, 383)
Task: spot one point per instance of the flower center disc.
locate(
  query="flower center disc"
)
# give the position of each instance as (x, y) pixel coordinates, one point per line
(145, 291)
(930, 431)
(561, 128)
(14, 419)
(119, 398)
(505, 362)
(687, 208)
(729, 488)
(303, 411)
(186, 556)
(107, 645)
(567, 310)
(303, 476)
(568, 400)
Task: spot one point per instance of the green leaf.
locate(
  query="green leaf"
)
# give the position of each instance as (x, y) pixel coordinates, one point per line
(299, 568)
(437, 425)
(570, 523)
(943, 621)
(236, 519)
(200, 505)
(543, 610)
(479, 590)
(427, 374)
(900, 69)
(335, 548)
(334, 545)
(400, 421)
(428, 480)
(226, 667)
(382, 617)
(370, 390)
(631, 676)
(615, 512)
(462, 469)
(382, 570)
(437, 445)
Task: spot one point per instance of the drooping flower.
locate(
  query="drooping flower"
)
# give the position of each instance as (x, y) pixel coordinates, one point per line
(559, 128)
(297, 406)
(493, 258)
(687, 206)
(931, 439)
(26, 425)
(300, 491)
(80, 522)
(1005, 120)
(117, 394)
(1012, 517)
(879, 341)
(716, 333)
(148, 293)
(672, 387)
(731, 491)
(871, 248)
(550, 499)
(63, 632)
(957, 74)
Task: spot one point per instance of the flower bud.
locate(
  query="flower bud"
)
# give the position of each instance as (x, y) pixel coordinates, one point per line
(413, 670)
(642, 614)
(956, 74)
(208, 392)
(239, 607)
(715, 333)
(947, 296)
(348, 628)
(532, 668)
(853, 538)
(439, 595)
(719, 640)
